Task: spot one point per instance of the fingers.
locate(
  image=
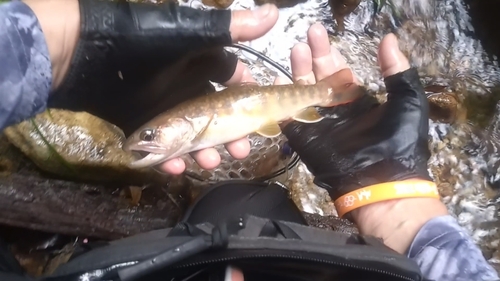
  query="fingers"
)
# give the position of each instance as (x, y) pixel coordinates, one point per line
(239, 149)
(241, 75)
(390, 58)
(208, 158)
(174, 166)
(403, 85)
(233, 274)
(316, 60)
(323, 63)
(248, 25)
(245, 25)
(301, 62)
(282, 81)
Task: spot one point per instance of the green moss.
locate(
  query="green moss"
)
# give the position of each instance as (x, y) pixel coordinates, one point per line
(481, 108)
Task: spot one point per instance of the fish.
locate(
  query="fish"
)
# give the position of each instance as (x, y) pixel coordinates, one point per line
(234, 113)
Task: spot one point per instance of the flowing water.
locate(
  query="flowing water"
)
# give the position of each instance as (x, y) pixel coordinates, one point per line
(437, 37)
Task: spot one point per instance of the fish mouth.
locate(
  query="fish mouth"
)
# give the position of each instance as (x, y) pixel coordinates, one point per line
(146, 156)
(148, 159)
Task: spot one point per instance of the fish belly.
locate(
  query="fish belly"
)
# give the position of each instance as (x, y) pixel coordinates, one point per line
(230, 128)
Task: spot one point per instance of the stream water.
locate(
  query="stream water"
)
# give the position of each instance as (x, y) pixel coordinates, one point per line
(437, 37)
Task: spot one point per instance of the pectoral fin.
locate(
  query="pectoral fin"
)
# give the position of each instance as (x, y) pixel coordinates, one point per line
(270, 130)
(308, 115)
(200, 134)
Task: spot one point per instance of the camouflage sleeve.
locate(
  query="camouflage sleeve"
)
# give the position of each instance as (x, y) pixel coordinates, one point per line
(25, 67)
(445, 252)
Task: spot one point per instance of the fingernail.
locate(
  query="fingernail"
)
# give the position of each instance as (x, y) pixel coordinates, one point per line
(262, 12)
(229, 274)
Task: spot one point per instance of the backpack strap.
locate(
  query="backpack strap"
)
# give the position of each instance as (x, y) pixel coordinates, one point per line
(185, 229)
(200, 242)
(274, 228)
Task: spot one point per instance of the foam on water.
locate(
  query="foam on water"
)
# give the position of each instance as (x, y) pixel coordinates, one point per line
(436, 36)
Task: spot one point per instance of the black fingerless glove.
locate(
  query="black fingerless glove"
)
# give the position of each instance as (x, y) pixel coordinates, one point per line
(133, 60)
(363, 144)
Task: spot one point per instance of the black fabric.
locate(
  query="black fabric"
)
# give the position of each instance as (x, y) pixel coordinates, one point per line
(274, 228)
(318, 255)
(282, 248)
(14, 277)
(368, 143)
(231, 200)
(135, 60)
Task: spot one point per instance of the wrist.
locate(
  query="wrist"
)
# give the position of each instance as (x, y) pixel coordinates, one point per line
(398, 221)
(60, 23)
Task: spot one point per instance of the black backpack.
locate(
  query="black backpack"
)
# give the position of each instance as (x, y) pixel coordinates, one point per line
(264, 247)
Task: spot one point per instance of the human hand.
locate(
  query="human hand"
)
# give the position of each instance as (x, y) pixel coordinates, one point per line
(362, 144)
(120, 67)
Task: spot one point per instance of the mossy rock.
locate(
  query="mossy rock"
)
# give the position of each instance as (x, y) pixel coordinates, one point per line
(78, 146)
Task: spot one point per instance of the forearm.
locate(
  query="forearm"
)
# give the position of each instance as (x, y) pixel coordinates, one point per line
(60, 23)
(38, 38)
(423, 229)
(25, 71)
(397, 222)
(445, 252)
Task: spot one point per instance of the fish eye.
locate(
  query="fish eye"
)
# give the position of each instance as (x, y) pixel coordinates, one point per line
(147, 135)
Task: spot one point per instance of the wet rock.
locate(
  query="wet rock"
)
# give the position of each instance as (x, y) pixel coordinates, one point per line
(444, 106)
(76, 209)
(333, 223)
(8, 163)
(78, 146)
(309, 197)
(220, 4)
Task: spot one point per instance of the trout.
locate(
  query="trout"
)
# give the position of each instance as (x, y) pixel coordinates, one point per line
(234, 113)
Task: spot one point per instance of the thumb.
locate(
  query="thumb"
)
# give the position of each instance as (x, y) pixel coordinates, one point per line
(390, 58)
(233, 274)
(248, 25)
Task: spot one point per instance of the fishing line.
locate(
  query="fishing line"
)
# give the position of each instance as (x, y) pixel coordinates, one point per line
(265, 58)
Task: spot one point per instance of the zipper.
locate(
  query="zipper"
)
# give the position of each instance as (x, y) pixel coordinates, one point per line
(296, 258)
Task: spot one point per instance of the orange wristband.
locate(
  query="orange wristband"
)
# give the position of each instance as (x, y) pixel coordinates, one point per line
(383, 192)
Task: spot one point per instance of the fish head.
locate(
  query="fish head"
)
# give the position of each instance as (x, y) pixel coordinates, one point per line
(160, 140)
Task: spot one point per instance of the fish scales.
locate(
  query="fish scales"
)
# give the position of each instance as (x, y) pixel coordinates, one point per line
(254, 100)
(234, 113)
